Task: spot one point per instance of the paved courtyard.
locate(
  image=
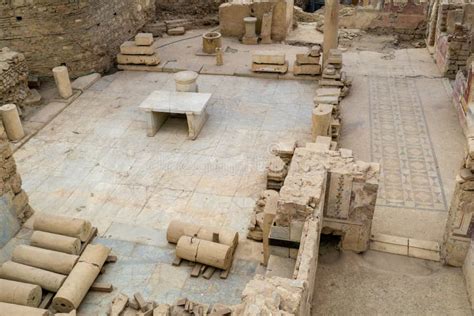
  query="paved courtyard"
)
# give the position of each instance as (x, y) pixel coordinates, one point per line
(95, 161)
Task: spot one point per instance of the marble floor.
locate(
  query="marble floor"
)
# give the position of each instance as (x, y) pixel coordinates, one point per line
(95, 161)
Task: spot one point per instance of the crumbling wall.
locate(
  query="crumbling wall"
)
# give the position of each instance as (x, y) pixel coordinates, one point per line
(172, 9)
(13, 77)
(453, 37)
(14, 207)
(85, 36)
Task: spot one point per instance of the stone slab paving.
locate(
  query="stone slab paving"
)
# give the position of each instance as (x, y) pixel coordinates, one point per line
(95, 161)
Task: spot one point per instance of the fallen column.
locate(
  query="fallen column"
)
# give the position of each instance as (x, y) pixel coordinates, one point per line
(56, 242)
(72, 227)
(20, 310)
(205, 252)
(19, 272)
(177, 229)
(79, 281)
(322, 117)
(53, 261)
(11, 121)
(20, 293)
(63, 83)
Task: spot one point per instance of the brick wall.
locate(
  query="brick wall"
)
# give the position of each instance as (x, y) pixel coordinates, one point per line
(13, 77)
(85, 35)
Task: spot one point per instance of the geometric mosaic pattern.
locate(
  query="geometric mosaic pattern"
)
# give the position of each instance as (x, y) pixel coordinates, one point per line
(401, 143)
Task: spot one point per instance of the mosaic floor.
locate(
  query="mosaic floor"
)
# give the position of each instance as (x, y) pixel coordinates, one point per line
(400, 141)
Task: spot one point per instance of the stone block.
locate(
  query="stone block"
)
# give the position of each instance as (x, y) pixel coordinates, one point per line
(176, 31)
(424, 249)
(339, 195)
(270, 68)
(250, 40)
(391, 244)
(269, 57)
(312, 70)
(138, 60)
(144, 39)
(306, 59)
(326, 99)
(130, 48)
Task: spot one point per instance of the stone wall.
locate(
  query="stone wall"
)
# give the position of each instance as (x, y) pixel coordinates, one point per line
(83, 35)
(13, 77)
(453, 37)
(14, 207)
(179, 8)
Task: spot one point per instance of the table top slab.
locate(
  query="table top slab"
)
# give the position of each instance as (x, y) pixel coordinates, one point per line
(175, 102)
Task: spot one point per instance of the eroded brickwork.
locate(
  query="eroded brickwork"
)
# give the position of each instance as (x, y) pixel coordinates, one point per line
(14, 207)
(50, 33)
(13, 77)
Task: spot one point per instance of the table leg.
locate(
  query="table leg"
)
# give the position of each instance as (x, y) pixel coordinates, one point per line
(154, 121)
(195, 123)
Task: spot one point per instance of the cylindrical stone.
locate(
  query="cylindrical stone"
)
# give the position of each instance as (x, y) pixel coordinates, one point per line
(214, 254)
(63, 83)
(79, 281)
(7, 309)
(53, 261)
(211, 41)
(20, 293)
(186, 81)
(19, 272)
(72, 227)
(219, 57)
(322, 116)
(56, 242)
(187, 248)
(11, 122)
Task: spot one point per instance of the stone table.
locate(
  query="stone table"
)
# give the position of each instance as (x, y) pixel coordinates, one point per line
(159, 104)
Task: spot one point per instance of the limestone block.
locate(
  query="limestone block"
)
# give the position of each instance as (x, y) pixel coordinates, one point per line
(11, 122)
(130, 48)
(424, 249)
(63, 83)
(270, 68)
(269, 57)
(138, 60)
(176, 31)
(250, 40)
(339, 195)
(326, 99)
(312, 70)
(335, 57)
(391, 244)
(144, 39)
(305, 59)
(186, 81)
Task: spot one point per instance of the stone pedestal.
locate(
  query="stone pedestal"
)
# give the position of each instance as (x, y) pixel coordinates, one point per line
(186, 81)
(321, 120)
(250, 37)
(11, 122)
(331, 23)
(266, 33)
(211, 41)
(61, 76)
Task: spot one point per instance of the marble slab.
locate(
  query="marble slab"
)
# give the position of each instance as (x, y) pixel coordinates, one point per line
(175, 102)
